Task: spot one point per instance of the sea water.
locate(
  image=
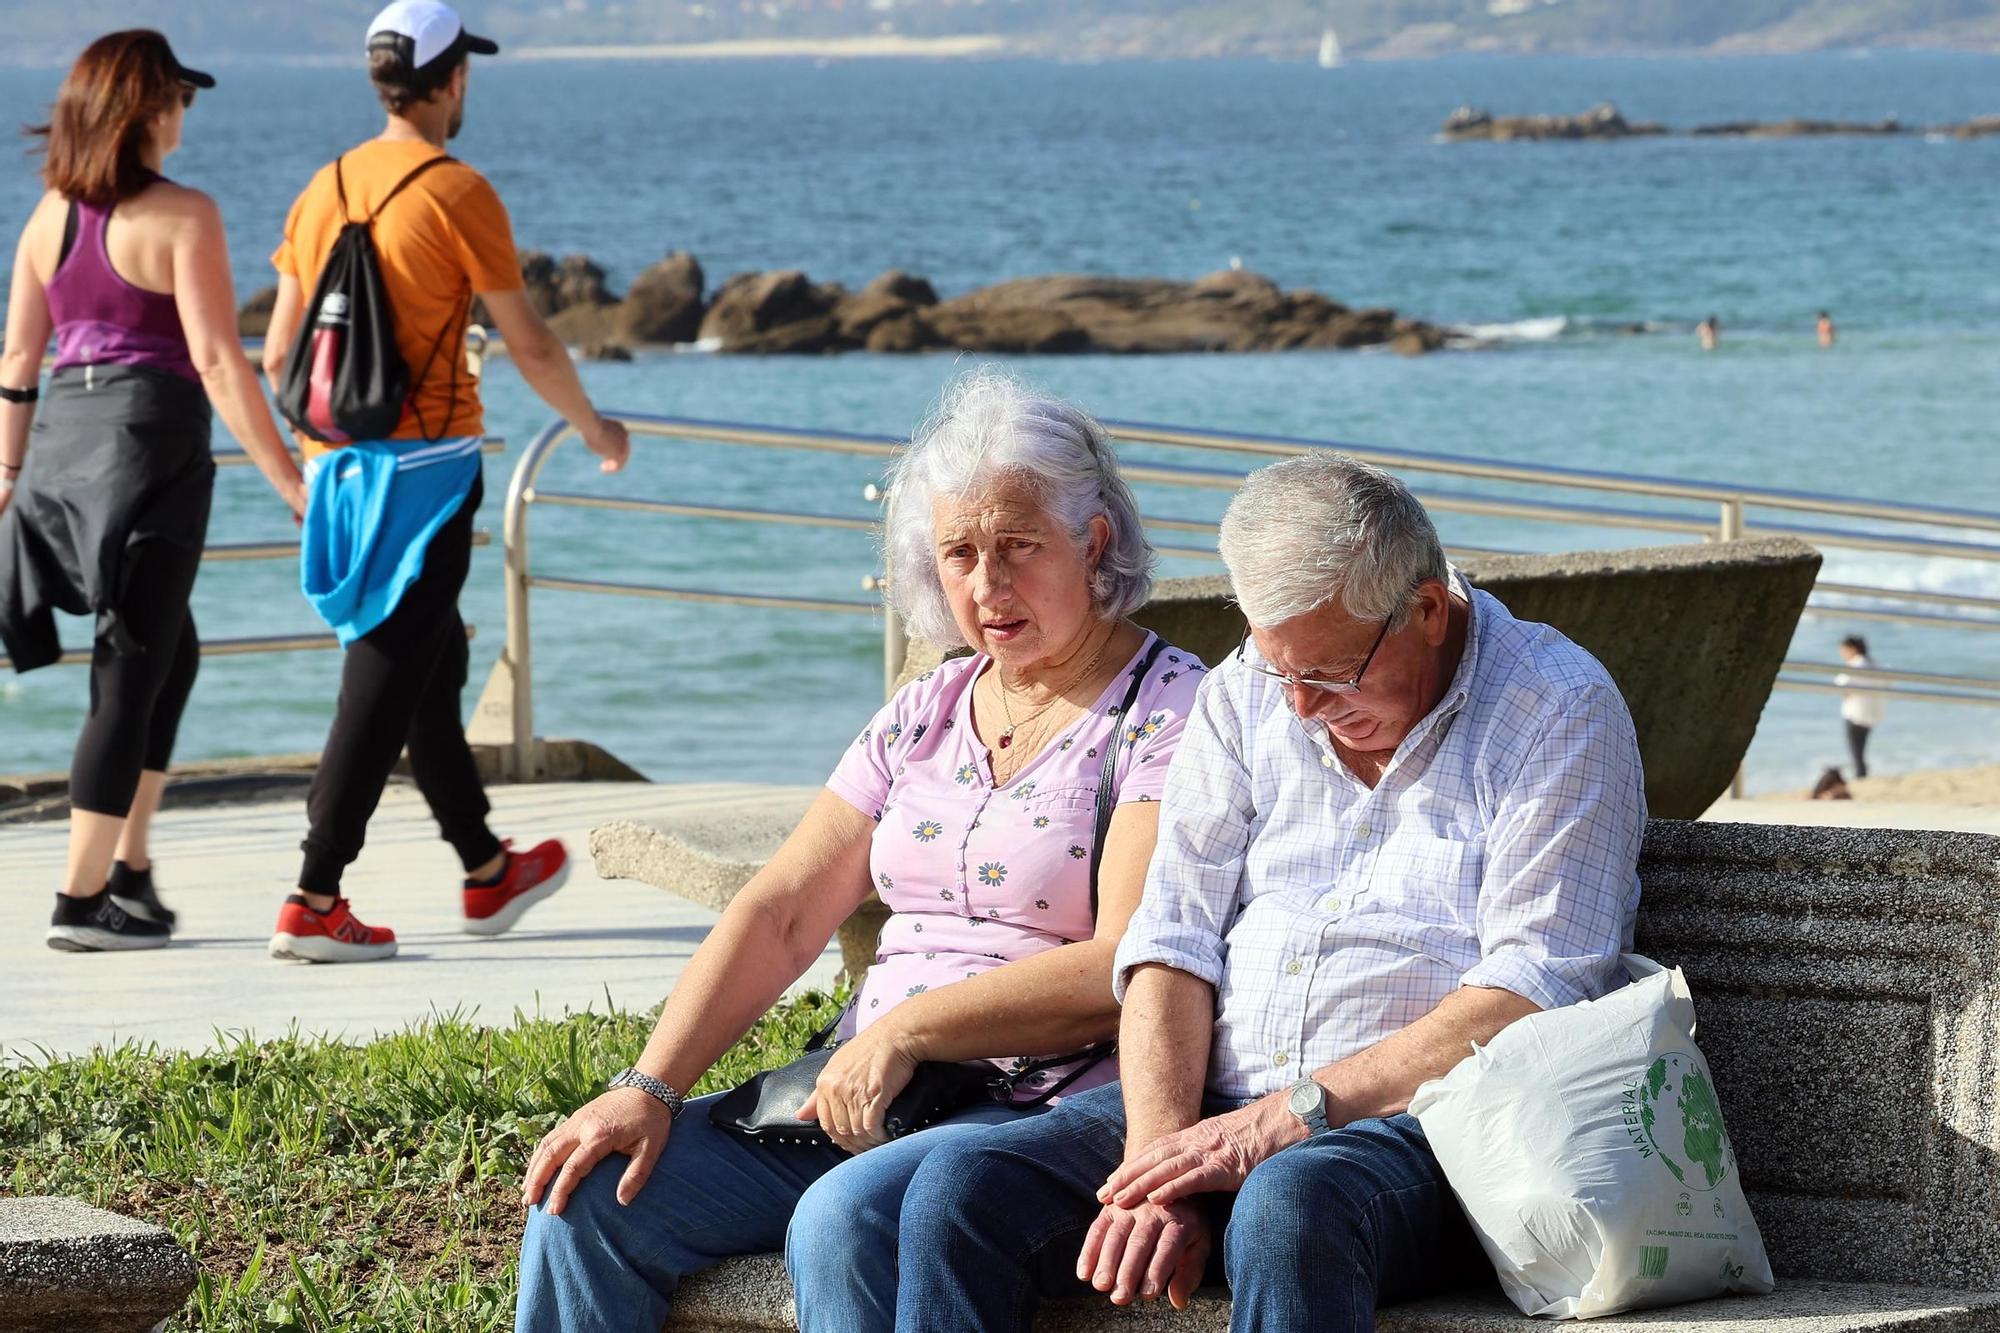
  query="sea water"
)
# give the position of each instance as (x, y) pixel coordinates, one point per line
(1334, 180)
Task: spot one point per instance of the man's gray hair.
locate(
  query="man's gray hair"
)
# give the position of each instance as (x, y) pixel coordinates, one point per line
(1305, 531)
(990, 428)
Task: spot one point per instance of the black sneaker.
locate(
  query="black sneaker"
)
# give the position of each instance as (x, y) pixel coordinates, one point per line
(96, 924)
(133, 890)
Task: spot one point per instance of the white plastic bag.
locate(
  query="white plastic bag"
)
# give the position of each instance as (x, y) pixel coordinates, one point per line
(1586, 1145)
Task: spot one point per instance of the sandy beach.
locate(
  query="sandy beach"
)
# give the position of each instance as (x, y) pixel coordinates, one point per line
(1979, 785)
(839, 48)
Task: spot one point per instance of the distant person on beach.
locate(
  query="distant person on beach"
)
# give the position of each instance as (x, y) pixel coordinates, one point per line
(1859, 709)
(1003, 804)
(1826, 334)
(109, 514)
(388, 536)
(1831, 787)
(1709, 331)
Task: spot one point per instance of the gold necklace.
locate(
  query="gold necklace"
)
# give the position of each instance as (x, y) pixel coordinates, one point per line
(1000, 683)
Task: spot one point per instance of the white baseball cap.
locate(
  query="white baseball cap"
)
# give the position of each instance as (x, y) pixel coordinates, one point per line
(421, 31)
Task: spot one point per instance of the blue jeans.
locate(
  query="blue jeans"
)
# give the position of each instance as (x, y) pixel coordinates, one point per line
(712, 1195)
(1318, 1236)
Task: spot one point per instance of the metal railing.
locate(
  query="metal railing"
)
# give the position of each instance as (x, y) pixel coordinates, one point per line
(506, 711)
(233, 552)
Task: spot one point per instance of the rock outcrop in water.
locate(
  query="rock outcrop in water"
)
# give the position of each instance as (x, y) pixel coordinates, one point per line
(785, 311)
(1604, 121)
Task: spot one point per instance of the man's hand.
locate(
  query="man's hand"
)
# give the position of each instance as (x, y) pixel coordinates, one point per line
(1213, 1156)
(851, 1099)
(1146, 1252)
(622, 1120)
(610, 441)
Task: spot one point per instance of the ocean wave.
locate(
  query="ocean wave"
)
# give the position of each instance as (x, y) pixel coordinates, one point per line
(1551, 328)
(1544, 328)
(1936, 574)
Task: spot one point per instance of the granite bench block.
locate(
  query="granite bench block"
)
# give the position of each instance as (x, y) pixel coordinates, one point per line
(66, 1267)
(752, 1295)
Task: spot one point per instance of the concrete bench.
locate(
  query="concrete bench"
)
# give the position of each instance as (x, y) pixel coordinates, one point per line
(66, 1267)
(1848, 987)
(753, 1295)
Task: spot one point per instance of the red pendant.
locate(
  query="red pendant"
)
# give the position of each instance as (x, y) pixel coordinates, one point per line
(1006, 738)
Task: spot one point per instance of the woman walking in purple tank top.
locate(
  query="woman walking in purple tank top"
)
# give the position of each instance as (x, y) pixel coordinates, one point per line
(107, 514)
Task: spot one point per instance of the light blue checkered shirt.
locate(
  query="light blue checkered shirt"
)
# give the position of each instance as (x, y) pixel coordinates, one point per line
(1500, 848)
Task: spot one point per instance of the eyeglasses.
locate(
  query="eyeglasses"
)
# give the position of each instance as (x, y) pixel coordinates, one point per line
(187, 96)
(1311, 683)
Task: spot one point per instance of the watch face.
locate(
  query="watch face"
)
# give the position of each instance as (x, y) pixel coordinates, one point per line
(1305, 1099)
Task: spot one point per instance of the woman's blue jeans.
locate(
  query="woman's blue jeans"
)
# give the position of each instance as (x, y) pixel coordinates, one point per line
(1316, 1238)
(603, 1266)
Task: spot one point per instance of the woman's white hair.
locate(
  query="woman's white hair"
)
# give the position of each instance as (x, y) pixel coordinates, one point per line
(989, 428)
(1305, 531)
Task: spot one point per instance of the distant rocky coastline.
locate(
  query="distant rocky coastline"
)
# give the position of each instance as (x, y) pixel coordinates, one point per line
(1604, 121)
(785, 311)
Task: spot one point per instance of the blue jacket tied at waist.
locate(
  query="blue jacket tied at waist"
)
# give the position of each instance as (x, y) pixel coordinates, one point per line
(372, 510)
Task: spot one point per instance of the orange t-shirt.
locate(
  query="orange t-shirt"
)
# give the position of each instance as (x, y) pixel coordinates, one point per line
(444, 239)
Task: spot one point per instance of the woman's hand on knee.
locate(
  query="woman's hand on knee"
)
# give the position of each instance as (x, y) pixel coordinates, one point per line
(851, 1098)
(623, 1120)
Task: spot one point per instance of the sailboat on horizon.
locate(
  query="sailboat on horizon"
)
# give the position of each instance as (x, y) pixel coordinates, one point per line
(1329, 50)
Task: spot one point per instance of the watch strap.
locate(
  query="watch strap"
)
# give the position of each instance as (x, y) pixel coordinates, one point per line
(654, 1088)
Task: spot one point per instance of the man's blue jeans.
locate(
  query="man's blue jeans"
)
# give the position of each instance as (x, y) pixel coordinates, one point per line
(602, 1265)
(1318, 1236)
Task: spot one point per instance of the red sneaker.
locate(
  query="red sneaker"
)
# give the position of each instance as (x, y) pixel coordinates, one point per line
(336, 936)
(531, 876)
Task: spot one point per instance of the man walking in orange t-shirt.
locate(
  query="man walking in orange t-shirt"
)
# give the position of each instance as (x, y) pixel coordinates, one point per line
(388, 537)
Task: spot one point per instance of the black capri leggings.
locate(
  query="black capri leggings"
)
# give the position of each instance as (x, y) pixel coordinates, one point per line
(142, 668)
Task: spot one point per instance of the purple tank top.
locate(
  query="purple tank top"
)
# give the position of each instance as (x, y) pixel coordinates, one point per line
(101, 319)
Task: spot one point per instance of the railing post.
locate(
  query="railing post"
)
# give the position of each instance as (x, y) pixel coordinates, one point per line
(1731, 528)
(895, 645)
(520, 658)
(895, 642)
(505, 715)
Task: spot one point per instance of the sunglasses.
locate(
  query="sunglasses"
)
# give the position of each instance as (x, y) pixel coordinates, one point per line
(187, 96)
(1352, 686)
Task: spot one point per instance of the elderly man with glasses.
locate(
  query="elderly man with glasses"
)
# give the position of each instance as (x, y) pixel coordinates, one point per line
(1399, 820)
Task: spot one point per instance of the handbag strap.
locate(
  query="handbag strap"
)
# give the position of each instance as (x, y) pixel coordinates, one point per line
(1108, 778)
(1092, 1056)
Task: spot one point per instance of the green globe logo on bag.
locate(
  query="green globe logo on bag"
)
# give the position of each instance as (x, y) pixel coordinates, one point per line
(1672, 1113)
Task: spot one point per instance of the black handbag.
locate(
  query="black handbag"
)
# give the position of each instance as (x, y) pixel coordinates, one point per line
(766, 1108)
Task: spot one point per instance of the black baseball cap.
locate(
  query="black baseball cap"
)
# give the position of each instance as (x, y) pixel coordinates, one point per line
(194, 78)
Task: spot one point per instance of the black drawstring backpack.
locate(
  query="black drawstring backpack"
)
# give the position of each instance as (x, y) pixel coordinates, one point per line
(345, 379)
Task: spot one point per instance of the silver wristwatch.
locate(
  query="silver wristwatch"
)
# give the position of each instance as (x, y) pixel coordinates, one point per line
(652, 1087)
(1307, 1100)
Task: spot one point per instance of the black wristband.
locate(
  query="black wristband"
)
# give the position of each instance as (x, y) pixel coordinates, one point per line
(27, 395)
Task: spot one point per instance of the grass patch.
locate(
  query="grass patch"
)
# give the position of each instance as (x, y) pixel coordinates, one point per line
(325, 1186)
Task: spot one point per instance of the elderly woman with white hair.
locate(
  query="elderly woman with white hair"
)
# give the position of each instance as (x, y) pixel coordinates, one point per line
(1004, 805)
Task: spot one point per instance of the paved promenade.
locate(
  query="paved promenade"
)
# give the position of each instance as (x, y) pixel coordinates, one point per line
(226, 869)
(1860, 814)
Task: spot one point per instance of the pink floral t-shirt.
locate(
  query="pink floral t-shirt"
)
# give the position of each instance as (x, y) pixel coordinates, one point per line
(977, 875)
